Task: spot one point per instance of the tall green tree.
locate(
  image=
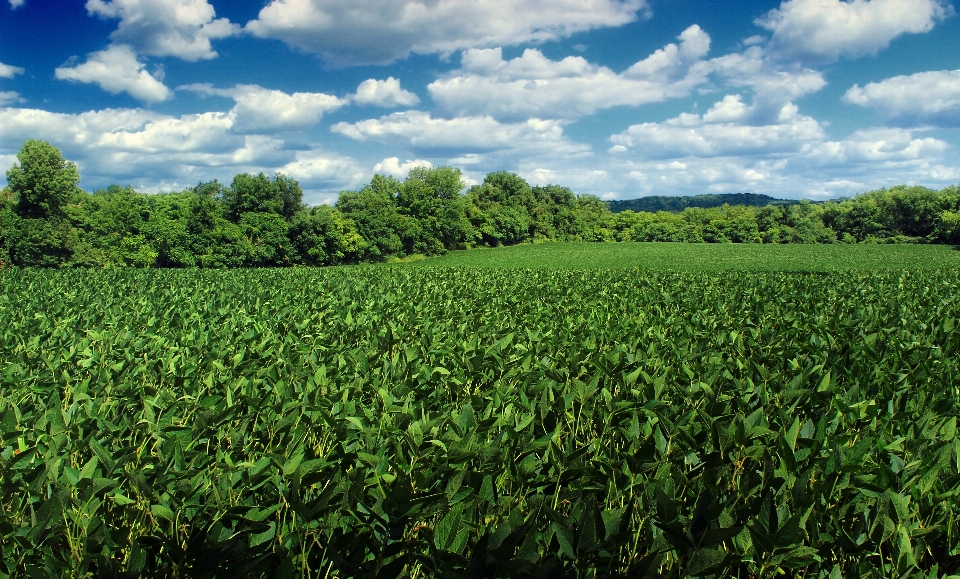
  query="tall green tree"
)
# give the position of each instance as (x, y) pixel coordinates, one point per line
(269, 243)
(111, 225)
(508, 189)
(432, 197)
(553, 215)
(323, 236)
(6, 218)
(290, 193)
(373, 209)
(251, 194)
(39, 242)
(43, 182)
(592, 219)
(501, 209)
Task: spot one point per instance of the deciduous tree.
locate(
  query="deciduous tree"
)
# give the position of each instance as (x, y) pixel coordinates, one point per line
(43, 182)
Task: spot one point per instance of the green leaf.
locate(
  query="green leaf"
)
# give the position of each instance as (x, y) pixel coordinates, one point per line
(292, 463)
(666, 507)
(162, 512)
(565, 540)
(704, 560)
(792, 433)
(590, 526)
(121, 499)
(89, 469)
(949, 429)
(267, 535)
(486, 489)
(466, 420)
(460, 541)
(102, 453)
(824, 383)
(447, 529)
(48, 513)
(797, 557)
(905, 558)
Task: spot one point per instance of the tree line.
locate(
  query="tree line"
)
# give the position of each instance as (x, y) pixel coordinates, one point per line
(261, 221)
(655, 203)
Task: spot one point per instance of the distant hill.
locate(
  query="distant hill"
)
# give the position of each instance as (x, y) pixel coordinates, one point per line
(656, 203)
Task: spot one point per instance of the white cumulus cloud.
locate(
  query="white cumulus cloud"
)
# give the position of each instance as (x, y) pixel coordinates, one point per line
(14, 4)
(117, 70)
(326, 171)
(533, 85)
(924, 98)
(877, 147)
(351, 32)
(723, 131)
(384, 93)
(393, 167)
(157, 152)
(263, 110)
(9, 71)
(773, 84)
(869, 161)
(189, 133)
(728, 149)
(462, 135)
(822, 31)
(180, 28)
(8, 97)
(121, 143)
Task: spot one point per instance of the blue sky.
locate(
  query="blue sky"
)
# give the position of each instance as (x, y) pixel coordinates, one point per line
(617, 98)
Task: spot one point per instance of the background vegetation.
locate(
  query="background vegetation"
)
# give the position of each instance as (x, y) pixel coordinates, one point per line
(257, 220)
(655, 203)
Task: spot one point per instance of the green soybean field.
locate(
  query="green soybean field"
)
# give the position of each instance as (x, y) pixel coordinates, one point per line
(479, 422)
(704, 256)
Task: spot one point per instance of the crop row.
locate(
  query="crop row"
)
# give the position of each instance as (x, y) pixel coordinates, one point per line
(464, 423)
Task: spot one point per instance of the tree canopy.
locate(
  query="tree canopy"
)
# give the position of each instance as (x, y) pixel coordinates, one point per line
(43, 182)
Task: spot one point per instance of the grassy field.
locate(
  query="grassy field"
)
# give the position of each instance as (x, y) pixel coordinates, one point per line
(704, 257)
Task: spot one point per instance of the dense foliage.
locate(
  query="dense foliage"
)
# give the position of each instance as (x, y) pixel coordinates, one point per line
(655, 203)
(397, 421)
(256, 221)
